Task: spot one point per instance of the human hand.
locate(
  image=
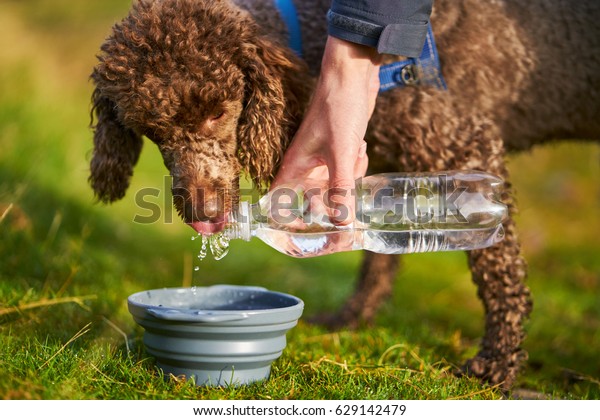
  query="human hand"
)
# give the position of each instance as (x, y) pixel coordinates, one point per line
(329, 143)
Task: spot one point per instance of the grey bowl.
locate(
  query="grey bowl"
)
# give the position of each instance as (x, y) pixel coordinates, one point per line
(218, 335)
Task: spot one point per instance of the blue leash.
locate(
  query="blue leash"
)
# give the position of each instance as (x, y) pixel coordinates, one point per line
(287, 10)
(424, 70)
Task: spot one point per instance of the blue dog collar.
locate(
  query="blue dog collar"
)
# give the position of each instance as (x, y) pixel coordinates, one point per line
(424, 70)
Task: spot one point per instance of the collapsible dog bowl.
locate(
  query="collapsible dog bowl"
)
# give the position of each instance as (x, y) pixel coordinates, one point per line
(219, 335)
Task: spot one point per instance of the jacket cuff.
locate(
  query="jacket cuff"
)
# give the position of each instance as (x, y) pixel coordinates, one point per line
(404, 39)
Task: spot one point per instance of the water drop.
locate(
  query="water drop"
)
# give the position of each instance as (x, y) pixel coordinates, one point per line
(203, 248)
(196, 268)
(219, 246)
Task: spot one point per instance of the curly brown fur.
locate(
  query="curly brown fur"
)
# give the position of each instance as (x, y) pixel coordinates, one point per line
(213, 85)
(116, 151)
(209, 87)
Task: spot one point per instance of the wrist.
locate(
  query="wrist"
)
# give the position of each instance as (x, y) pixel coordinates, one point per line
(349, 64)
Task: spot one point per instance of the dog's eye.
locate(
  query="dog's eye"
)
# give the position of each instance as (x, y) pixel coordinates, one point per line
(217, 116)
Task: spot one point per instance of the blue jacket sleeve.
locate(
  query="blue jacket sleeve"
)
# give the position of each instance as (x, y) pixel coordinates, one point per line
(392, 26)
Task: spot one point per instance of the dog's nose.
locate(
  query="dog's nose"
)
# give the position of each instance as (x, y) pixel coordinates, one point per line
(208, 206)
(199, 204)
(209, 210)
(209, 217)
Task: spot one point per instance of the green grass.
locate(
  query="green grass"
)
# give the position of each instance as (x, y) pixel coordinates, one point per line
(67, 264)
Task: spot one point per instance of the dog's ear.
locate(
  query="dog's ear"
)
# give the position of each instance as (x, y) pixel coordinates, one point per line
(272, 108)
(116, 151)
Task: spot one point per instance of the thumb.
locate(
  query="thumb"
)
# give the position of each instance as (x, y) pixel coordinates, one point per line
(293, 167)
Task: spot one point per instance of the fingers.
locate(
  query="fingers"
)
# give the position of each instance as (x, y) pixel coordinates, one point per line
(341, 198)
(362, 162)
(340, 201)
(339, 176)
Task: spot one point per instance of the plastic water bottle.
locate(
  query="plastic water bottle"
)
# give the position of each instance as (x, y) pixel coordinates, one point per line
(396, 213)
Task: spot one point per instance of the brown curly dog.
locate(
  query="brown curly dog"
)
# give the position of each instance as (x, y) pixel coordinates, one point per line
(213, 84)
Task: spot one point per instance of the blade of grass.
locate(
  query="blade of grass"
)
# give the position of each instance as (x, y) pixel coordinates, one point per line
(79, 300)
(410, 351)
(187, 270)
(470, 395)
(6, 211)
(120, 331)
(79, 333)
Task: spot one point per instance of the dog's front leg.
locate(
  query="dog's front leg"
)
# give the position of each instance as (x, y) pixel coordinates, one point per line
(499, 273)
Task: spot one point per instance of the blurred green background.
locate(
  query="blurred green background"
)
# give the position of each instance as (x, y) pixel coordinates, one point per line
(67, 264)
